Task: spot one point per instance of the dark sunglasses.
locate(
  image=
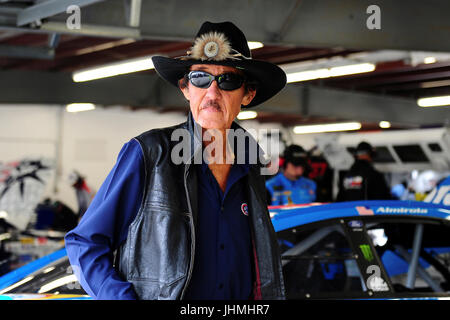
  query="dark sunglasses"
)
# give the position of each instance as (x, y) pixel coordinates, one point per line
(226, 81)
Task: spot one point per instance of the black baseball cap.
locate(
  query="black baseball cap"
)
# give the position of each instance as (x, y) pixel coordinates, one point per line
(296, 155)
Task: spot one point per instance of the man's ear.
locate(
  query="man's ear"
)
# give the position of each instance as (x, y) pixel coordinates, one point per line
(184, 88)
(248, 97)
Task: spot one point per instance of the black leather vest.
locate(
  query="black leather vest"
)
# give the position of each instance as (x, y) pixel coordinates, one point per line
(158, 255)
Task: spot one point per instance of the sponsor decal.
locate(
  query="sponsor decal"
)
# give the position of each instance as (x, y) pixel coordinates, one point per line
(402, 210)
(355, 224)
(375, 282)
(353, 182)
(363, 211)
(244, 208)
(367, 253)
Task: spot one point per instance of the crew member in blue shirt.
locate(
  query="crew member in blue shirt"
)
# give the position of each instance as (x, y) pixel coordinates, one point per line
(290, 186)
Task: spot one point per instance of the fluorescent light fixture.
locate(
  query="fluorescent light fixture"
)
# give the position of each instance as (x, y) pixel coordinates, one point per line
(78, 107)
(330, 72)
(255, 45)
(434, 101)
(428, 60)
(17, 284)
(58, 283)
(351, 69)
(113, 69)
(330, 127)
(307, 75)
(384, 124)
(246, 115)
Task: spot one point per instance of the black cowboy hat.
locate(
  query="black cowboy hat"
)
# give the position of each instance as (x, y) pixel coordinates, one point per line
(224, 44)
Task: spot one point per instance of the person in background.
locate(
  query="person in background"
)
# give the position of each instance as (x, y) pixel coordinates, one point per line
(322, 174)
(290, 186)
(402, 191)
(363, 181)
(83, 192)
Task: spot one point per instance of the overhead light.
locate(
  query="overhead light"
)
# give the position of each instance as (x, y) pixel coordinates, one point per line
(307, 75)
(330, 127)
(351, 69)
(434, 101)
(428, 60)
(384, 124)
(113, 69)
(78, 107)
(246, 115)
(255, 45)
(330, 72)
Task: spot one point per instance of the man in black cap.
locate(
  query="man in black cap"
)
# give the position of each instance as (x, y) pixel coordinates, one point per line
(363, 181)
(182, 228)
(290, 186)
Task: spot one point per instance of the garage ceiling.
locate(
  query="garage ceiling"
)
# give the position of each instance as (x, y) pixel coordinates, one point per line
(38, 53)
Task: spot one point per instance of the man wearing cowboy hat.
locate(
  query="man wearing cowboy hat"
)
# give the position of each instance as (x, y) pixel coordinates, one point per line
(159, 228)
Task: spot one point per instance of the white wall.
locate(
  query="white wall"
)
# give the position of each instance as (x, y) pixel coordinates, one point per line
(27, 130)
(90, 141)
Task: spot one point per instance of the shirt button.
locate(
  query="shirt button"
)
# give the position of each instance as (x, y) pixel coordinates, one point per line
(220, 285)
(222, 208)
(222, 246)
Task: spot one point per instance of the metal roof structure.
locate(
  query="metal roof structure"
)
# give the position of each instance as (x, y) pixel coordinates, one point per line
(39, 50)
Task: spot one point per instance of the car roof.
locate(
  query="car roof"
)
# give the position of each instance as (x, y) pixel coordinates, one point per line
(285, 217)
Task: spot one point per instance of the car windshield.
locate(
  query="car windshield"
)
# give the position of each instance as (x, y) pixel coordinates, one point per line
(416, 256)
(318, 261)
(366, 257)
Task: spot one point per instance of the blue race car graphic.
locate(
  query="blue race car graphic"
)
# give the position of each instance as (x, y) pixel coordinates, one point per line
(365, 249)
(349, 250)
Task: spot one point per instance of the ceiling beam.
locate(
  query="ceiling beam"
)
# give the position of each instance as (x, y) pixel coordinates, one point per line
(310, 23)
(45, 9)
(26, 52)
(133, 12)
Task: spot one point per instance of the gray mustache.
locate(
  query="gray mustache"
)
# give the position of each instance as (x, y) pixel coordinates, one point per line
(212, 103)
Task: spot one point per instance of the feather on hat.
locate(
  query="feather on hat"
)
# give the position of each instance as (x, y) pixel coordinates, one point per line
(224, 44)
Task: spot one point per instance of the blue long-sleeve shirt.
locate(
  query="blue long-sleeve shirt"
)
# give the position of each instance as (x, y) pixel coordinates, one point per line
(104, 227)
(223, 266)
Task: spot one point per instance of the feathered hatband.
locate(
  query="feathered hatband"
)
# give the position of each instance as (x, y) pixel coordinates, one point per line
(212, 46)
